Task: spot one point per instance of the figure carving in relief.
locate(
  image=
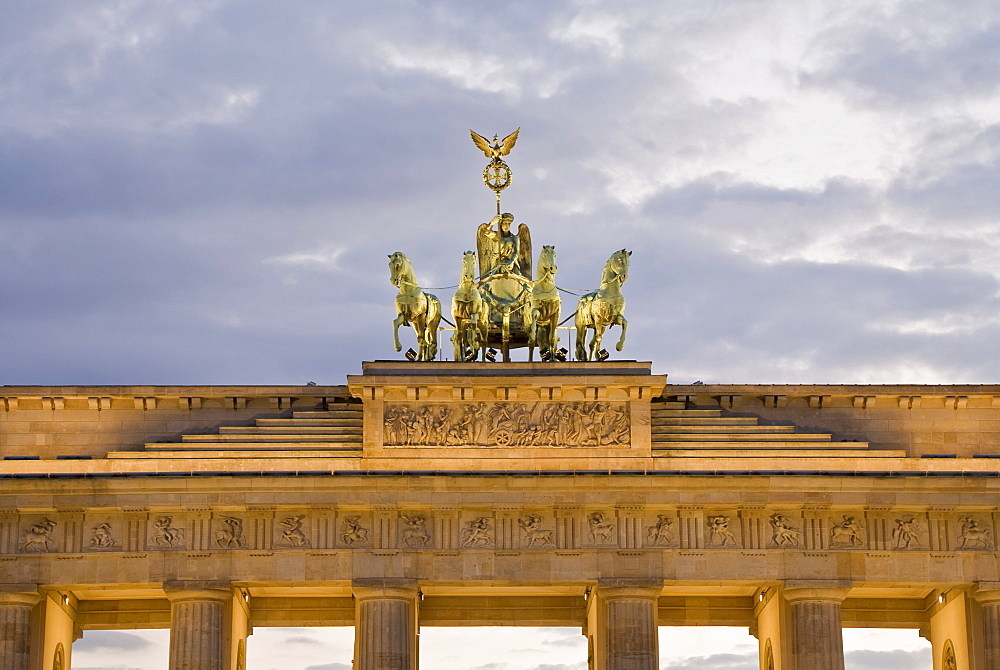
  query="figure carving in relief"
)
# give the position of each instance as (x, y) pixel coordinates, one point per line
(720, 533)
(101, 536)
(38, 537)
(292, 535)
(353, 532)
(975, 534)
(415, 533)
(847, 532)
(507, 424)
(783, 535)
(166, 535)
(662, 533)
(533, 532)
(231, 537)
(601, 531)
(905, 532)
(477, 533)
(949, 660)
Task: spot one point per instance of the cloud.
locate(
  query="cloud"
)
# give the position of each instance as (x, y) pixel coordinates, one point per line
(714, 662)
(897, 659)
(110, 641)
(301, 639)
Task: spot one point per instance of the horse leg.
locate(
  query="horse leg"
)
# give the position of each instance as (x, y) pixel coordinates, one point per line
(595, 344)
(420, 330)
(396, 323)
(581, 343)
(624, 324)
(458, 339)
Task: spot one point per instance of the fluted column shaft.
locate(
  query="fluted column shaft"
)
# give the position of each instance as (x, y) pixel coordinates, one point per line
(197, 636)
(385, 635)
(817, 634)
(626, 625)
(15, 629)
(990, 601)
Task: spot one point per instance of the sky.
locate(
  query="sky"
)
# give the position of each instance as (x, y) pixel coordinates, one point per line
(205, 191)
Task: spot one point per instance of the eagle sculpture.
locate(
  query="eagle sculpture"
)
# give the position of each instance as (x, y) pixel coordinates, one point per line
(497, 149)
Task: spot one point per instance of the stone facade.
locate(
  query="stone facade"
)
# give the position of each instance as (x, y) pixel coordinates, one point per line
(592, 495)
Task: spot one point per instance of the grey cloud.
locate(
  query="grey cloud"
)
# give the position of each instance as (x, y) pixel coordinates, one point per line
(301, 639)
(888, 660)
(110, 640)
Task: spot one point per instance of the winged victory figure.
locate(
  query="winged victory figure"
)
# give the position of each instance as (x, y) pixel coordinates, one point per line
(498, 149)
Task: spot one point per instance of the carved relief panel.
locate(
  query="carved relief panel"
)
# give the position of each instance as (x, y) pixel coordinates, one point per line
(507, 424)
(661, 531)
(602, 529)
(414, 530)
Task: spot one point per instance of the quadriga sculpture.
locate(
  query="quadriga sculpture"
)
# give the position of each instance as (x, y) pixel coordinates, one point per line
(470, 312)
(603, 308)
(414, 307)
(544, 305)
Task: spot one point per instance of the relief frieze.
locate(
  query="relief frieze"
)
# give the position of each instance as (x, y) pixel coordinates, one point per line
(507, 424)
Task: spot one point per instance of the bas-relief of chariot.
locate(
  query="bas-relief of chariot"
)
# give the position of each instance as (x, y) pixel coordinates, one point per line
(498, 305)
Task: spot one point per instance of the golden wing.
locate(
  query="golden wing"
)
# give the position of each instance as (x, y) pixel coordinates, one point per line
(483, 144)
(508, 142)
(524, 249)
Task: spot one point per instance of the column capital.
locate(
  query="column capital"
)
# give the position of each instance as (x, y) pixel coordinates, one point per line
(626, 587)
(178, 590)
(378, 587)
(19, 594)
(816, 590)
(986, 592)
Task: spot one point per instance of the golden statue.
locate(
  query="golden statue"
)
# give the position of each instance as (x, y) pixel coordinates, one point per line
(470, 313)
(500, 250)
(415, 307)
(497, 175)
(544, 305)
(603, 308)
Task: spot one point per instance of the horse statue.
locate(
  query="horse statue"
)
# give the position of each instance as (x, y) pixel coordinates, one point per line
(544, 305)
(470, 312)
(603, 308)
(414, 307)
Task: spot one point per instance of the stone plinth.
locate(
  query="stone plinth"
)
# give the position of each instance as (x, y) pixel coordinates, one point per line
(468, 410)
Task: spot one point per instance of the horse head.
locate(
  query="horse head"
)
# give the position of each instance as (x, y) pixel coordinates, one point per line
(546, 263)
(400, 269)
(617, 267)
(469, 266)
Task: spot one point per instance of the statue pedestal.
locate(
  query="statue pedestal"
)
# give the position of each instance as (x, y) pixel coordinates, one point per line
(433, 410)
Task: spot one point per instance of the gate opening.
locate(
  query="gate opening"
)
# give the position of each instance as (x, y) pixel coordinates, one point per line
(886, 649)
(315, 648)
(502, 648)
(143, 649)
(708, 647)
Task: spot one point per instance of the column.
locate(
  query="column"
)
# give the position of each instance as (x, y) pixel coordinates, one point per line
(814, 620)
(622, 624)
(199, 614)
(989, 600)
(385, 624)
(16, 604)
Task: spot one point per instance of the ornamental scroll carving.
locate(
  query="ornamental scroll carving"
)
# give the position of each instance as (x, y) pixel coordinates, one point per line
(507, 424)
